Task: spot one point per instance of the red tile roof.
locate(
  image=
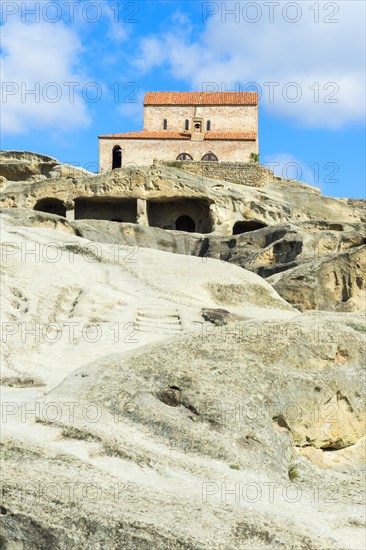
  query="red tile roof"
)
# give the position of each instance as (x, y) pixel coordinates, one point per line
(149, 135)
(231, 135)
(201, 98)
(235, 136)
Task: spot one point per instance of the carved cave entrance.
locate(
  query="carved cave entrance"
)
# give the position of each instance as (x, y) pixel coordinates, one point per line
(112, 209)
(52, 206)
(192, 215)
(245, 227)
(185, 223)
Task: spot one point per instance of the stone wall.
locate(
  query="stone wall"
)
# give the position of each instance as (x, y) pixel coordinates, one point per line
(223, 118)
(142, 152)
(243, 173)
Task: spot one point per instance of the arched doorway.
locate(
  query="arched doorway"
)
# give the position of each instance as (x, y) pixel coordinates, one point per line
(185, 223)
(184, 156)
(245, 227)
(51, 206)
(210, 156)
(182, 214)
(116, 157)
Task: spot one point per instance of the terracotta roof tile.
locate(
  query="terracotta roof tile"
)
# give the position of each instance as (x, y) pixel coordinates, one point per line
(231, 135)
(236, 136)
(149, 135)
(201, 98)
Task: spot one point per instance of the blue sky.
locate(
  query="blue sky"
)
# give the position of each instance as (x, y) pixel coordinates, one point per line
(89, 64)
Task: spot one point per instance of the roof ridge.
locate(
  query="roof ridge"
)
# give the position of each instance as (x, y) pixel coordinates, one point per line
(203, 98)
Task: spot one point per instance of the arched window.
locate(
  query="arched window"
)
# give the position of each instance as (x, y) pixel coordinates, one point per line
(165, 124)
(186, 125)
(209, 156)
(52, 206)
(116, 157)
(185, 223)
(208, 125)
(184, 156)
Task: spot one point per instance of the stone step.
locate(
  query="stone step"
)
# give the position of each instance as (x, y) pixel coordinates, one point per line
(160, 320)
(161, 330)
(145, 315)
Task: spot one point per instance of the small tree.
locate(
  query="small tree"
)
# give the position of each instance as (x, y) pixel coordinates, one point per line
(254, 157)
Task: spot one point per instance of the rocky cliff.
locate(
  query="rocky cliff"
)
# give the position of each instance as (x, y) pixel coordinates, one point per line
(178, 390)
(311, 248)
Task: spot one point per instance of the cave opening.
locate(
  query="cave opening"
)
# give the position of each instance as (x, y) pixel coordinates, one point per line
(246, 227)
(185, 223)
(181, 214)
(51, 206)
(106, 208)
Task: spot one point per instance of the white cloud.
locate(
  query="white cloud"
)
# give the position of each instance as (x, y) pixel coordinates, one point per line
(287, 166)
(312, 55)
(151, 54)
(41, 57)
(34, 56)
(132, 106)
(118, 30)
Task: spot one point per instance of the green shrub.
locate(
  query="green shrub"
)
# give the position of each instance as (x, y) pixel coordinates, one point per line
(293, 472)
(254, 157)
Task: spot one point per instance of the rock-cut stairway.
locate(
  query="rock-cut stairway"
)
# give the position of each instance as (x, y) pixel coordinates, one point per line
(158, 319)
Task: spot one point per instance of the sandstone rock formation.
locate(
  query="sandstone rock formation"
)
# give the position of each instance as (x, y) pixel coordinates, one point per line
(336, 282)
(21, 166)
(309, 264)
(279, 201)
(174, 390)
(284, 226)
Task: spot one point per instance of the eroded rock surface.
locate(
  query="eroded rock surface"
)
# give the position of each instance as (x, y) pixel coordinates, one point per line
(26, 167)
(279, 201)
(335, 282)
(147, 424)
(171, 389)
(313, 265)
